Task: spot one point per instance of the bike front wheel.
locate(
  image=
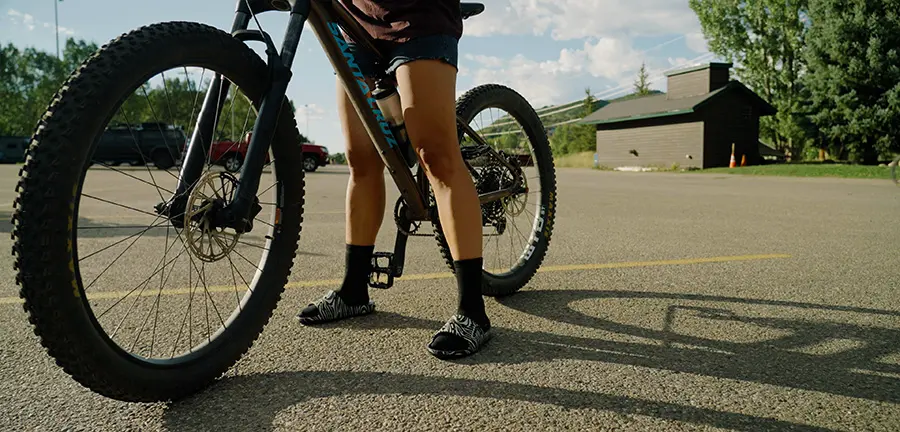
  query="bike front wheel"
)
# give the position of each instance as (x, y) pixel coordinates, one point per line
(111, 330)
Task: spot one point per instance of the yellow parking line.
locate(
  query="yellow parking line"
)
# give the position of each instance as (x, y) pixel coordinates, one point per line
(147, 217)
(445, 275)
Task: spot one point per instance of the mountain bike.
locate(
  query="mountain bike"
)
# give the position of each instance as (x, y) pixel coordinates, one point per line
(86, 323)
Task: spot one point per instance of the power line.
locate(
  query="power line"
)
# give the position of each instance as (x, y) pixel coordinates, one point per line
(614, 91)
(655, 76)
(56, 14)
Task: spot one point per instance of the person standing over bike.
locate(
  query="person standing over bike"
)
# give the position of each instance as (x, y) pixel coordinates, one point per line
(420, 39)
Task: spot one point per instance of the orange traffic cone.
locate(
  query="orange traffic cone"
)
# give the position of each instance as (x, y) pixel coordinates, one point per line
(732, 163)
(743, 160)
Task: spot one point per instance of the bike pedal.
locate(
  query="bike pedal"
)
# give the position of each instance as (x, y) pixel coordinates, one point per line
(379, 270)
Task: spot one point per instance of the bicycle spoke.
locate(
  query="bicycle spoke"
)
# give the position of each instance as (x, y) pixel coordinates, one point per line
(205, 303)
(116, 259)
(140, 152)
(136, 298)
(215, 309)
(264, 222)
(248, 261)
(187, 313)
(136, 287)
(158, 297)
(158, 187)
(121, 205)
(115, 227)
(161, 133)
(254, 245)
(122, 241)
(233, 268)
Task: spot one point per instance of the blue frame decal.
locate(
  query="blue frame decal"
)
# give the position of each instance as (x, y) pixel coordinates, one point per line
(357, 72)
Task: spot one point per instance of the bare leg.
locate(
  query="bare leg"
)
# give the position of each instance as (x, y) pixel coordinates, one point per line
(365, 191)
(364, 214)
(428, 92)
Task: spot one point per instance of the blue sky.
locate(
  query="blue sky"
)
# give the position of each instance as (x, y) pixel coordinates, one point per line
(548, 50)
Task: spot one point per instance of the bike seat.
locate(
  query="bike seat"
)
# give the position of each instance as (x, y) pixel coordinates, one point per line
(471, 9)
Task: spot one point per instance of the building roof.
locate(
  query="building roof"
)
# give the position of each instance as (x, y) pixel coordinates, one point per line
(712, 65)
(661, 106)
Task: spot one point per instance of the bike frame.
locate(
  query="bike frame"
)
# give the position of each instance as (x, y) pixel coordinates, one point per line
(328, 18)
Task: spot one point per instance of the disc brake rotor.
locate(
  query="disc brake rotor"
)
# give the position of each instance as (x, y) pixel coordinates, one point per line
(205, 241)
(514, 205)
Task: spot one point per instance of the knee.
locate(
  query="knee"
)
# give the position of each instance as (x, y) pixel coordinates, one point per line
(364, 164)
(442, 161)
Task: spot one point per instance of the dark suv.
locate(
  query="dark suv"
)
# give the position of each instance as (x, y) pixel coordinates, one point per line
(159, 143)
(12, 149)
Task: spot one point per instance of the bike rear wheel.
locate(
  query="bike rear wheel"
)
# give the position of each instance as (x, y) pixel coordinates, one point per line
(521, 224)
(69, 312)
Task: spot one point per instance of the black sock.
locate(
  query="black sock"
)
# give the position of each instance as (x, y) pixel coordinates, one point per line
(471, 303)
(468, 281)
(358, 266)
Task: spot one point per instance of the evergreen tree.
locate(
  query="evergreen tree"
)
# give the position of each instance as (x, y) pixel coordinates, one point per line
(642, 83)
(765, 40)
(854, 77)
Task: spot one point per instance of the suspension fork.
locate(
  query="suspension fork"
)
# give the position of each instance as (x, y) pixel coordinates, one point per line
(240, 213)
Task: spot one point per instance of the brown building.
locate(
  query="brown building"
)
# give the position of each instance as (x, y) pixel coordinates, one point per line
(693, 125)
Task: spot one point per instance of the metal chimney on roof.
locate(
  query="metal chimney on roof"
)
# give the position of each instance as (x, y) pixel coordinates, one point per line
(697, 80)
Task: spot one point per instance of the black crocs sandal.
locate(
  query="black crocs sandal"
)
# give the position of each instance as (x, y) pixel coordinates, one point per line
(474, 335)
(331, 307)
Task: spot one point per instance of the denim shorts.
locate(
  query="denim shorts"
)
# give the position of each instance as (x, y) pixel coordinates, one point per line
(434, 47)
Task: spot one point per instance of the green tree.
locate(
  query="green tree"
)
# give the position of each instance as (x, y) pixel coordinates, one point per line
(765, 40)
(574, 138)
(642, 83)
(30, 78)
(854, 77)
(28, 81)
(338, 159)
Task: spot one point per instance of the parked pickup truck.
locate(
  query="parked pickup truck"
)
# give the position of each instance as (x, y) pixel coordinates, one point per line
(231, 154)
(158, 143)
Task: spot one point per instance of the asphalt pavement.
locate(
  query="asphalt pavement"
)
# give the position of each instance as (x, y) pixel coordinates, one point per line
(666, 302)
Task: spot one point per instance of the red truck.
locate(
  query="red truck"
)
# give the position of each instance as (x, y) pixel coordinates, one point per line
(231, 154)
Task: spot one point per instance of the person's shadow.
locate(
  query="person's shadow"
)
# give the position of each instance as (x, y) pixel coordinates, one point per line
(256, 399)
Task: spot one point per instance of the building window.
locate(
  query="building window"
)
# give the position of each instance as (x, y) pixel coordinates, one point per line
(747, 113)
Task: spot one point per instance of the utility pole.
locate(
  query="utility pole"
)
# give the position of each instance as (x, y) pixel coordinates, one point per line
(56, 13)
(307, 120)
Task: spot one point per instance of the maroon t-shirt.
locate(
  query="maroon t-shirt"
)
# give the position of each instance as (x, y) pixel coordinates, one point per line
(401, 20)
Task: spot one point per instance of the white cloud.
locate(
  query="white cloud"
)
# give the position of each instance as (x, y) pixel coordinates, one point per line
(696, 42)
(314, 111)
(609, 66)
(611, 58)
(28, 21)
(21, 18)
(489, 61)
(574, 19)
(550, 81)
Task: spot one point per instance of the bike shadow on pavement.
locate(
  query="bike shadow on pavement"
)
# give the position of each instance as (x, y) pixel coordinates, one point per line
(252, 402)
(784, 361)
(772, 362)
